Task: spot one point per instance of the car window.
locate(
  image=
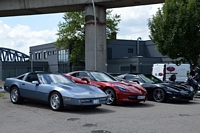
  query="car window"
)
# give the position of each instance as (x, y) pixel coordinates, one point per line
(151, 79)
(74, 74)
(21, 77)
(31, 77)
(99, 76)
(80, 75)
(83, 74)
(131, 77)
(121, 76)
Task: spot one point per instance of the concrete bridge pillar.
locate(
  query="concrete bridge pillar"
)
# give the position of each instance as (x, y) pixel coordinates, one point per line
(95, 38)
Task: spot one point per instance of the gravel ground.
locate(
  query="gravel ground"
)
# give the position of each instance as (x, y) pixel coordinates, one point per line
(148, 117)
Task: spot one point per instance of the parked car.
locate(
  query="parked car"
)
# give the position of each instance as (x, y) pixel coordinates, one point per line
(54, 89)
(158, 90)
(117, 91)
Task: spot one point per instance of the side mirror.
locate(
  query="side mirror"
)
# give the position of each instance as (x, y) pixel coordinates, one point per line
(35, 82)
(87, 80)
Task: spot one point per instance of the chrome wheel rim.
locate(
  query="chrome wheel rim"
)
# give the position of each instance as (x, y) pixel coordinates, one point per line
(111, 96)
(159, 95)
(14, 95)
(55, 101)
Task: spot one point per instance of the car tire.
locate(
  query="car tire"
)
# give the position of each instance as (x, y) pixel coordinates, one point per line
(159, 95)
(111, 96)
(15, 95)
(56, 101)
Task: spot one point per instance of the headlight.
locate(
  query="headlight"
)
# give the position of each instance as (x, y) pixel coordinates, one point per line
(171, 89)
(121, 88)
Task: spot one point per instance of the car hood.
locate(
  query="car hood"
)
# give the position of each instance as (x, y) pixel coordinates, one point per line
(175, 86)
(161, 85)
(131, 86)
(80, 90)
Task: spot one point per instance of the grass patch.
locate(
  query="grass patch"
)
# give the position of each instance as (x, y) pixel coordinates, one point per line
(1, 94)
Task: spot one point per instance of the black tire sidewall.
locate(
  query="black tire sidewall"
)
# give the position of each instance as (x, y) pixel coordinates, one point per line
(18, 98)
(113, 92)
(164, 97)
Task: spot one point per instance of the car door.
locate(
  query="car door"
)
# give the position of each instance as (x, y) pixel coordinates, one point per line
(42, 91)
(27, 88)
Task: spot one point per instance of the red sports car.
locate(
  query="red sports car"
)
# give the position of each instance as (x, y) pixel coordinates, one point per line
(117, 91)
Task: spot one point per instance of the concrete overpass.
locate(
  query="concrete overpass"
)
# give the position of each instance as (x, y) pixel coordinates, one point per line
(30, 7)
(95, 24)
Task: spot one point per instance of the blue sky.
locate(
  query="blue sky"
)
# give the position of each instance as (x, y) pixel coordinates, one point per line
(36, 22)
(21, 32)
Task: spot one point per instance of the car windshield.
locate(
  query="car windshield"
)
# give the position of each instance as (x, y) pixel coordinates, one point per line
(54, 79)
(99, 76)
(150, 79)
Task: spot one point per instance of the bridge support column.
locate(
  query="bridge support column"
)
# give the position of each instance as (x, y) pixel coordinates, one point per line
(95, 38)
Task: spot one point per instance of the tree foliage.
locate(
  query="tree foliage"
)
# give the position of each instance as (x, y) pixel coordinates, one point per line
(71, 33)
(175, 29)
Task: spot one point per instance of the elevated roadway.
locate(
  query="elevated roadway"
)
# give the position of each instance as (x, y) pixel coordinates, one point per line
(31, 7)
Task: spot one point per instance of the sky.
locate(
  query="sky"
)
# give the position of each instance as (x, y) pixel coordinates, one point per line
(21, 32)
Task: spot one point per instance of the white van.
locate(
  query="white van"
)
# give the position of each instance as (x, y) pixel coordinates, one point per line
(164, 70)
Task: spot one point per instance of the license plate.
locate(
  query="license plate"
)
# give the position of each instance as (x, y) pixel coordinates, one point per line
(141, 97)
(96, 101)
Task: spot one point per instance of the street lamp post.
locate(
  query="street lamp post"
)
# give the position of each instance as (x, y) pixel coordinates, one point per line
(138, 49)
(31, 58)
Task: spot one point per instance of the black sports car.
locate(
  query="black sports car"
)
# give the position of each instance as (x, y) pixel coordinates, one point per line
(157, 90)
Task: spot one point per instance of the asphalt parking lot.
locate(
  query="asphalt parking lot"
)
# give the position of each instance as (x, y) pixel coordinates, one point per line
(148, 117)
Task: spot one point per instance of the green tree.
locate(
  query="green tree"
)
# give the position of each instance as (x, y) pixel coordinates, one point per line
(71, 33)
(175, 29)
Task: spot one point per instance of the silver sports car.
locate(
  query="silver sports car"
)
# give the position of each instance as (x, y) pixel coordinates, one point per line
(54, 89)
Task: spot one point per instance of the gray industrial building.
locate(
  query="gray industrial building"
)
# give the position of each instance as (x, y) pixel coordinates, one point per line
(133, 56)
(122, 56)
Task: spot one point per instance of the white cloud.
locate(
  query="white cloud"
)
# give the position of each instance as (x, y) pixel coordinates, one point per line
(134, 21)
(21, 37)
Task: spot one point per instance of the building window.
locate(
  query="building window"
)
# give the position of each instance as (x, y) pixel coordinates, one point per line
(63, 55)
(39, 55)
(49, 52)
(45, 55)
(54, 52)
(130, 50)
(36, 56)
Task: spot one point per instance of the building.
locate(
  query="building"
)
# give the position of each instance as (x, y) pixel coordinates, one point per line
(122, 56)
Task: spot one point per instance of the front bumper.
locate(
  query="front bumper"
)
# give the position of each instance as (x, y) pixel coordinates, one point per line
(127, 97)
(84, 101)
(180, 97)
